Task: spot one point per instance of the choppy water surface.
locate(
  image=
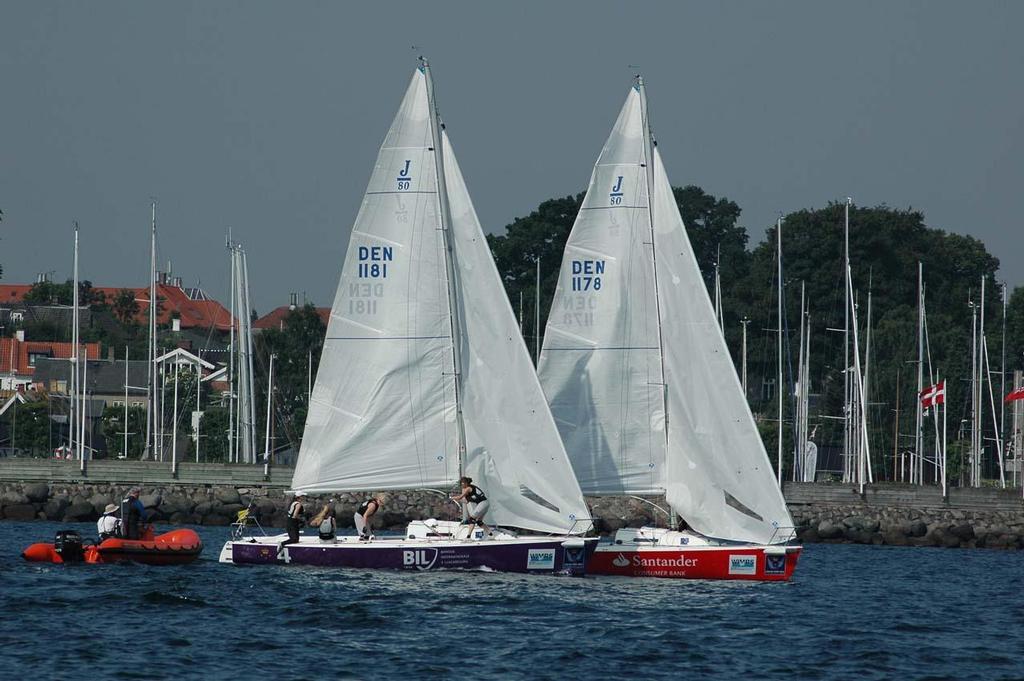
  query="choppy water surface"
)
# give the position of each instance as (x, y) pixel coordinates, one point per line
(850, 612)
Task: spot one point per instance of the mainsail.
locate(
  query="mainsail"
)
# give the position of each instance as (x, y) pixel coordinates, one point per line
(384, 413)
(635, 367)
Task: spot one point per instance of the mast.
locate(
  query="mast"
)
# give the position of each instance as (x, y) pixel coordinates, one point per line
(174, 422)
(847, 473)
(991, 399)
(981, 379)
(270, 402)
(974, 392)
(449, 250)
(804, 437)
(743, 372)
(718, 287)
(800, 390)
(151, 397)
(231, 360)
(919, 428)
(864, 389)
(75, 388)
(82, 392)
(778, 243)
(125, 451)
(536, 318)
(648, 141)
(251, 403)
(863, 451)
(1002, 385)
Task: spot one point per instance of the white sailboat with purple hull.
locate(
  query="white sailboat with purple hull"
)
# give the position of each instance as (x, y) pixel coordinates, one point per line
(425, 378)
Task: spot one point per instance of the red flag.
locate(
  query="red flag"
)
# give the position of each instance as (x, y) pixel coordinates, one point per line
(1017, 394)
(935, 394)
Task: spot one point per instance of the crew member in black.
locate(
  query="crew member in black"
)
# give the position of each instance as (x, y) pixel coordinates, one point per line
(364, 513)
(132, 515)
(476, 503)
(295, 518)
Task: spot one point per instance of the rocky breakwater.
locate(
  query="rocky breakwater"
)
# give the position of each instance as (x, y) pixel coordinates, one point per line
(950, 528)
(219, 505)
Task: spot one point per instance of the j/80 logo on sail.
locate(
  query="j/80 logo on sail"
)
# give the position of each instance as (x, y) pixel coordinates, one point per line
(615, 197)
(404, 178)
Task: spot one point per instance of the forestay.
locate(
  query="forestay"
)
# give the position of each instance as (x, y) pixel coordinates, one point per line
(383, 410)
(608, 373)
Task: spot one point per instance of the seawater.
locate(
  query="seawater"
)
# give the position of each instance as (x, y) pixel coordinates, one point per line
(850, 612)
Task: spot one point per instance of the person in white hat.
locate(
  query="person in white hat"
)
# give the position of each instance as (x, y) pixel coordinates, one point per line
(108, 525)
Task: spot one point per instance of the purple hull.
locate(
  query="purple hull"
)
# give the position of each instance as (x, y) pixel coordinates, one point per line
(522, 555)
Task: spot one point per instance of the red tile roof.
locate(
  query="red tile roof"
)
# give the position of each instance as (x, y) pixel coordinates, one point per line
(19, 351)
(275, 318)
(193, 313)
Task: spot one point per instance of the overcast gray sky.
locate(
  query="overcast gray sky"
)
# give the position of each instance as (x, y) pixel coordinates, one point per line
(266, 117)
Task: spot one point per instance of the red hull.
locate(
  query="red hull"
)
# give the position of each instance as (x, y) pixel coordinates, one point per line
(176, 547)
(711, 562)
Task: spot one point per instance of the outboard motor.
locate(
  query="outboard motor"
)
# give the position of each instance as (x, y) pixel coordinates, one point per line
(68, 545)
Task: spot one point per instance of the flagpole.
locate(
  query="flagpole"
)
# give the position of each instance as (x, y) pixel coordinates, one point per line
(945, 408)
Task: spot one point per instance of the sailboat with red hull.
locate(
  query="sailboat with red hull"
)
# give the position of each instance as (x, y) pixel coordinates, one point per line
(642, 386)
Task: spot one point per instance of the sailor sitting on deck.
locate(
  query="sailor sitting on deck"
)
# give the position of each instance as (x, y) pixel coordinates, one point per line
(476, 503)
(109, 525)
(325, 522)
(364, 513)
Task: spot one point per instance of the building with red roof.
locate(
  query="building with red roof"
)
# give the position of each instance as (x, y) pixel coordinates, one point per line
(191, 305)
(275, 318)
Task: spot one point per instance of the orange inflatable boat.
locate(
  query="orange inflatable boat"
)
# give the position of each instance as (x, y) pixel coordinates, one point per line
(176, 547)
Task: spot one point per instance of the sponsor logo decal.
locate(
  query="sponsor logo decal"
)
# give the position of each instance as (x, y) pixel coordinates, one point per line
(621, 561)
(573, 557)
(680, 562)
(540, 559)
(421, 559)
(742, 565)
(774, 565)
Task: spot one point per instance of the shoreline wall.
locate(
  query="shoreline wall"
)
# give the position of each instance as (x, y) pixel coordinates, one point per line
(895, 515)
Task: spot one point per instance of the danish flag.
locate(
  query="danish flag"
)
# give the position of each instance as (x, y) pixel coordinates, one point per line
(935, 394)
(1017, 394)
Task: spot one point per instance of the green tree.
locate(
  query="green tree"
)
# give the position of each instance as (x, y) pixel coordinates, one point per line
(213, 431)
(30, 427)
(300, 340)
(113, 431)
(711, 223)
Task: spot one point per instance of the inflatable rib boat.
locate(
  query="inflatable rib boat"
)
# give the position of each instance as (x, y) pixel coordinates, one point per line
(176, 547)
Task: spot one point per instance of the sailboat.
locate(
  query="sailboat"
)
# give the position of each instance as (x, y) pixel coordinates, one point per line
(642, 386)
(425, 378)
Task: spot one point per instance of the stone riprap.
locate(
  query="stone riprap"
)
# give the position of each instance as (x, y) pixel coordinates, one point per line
(822, 513)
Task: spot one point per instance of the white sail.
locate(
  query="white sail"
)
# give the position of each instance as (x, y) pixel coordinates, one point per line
(609, 374)
(513, 450)
(719, 476)
(601, 363)
(383, 412)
